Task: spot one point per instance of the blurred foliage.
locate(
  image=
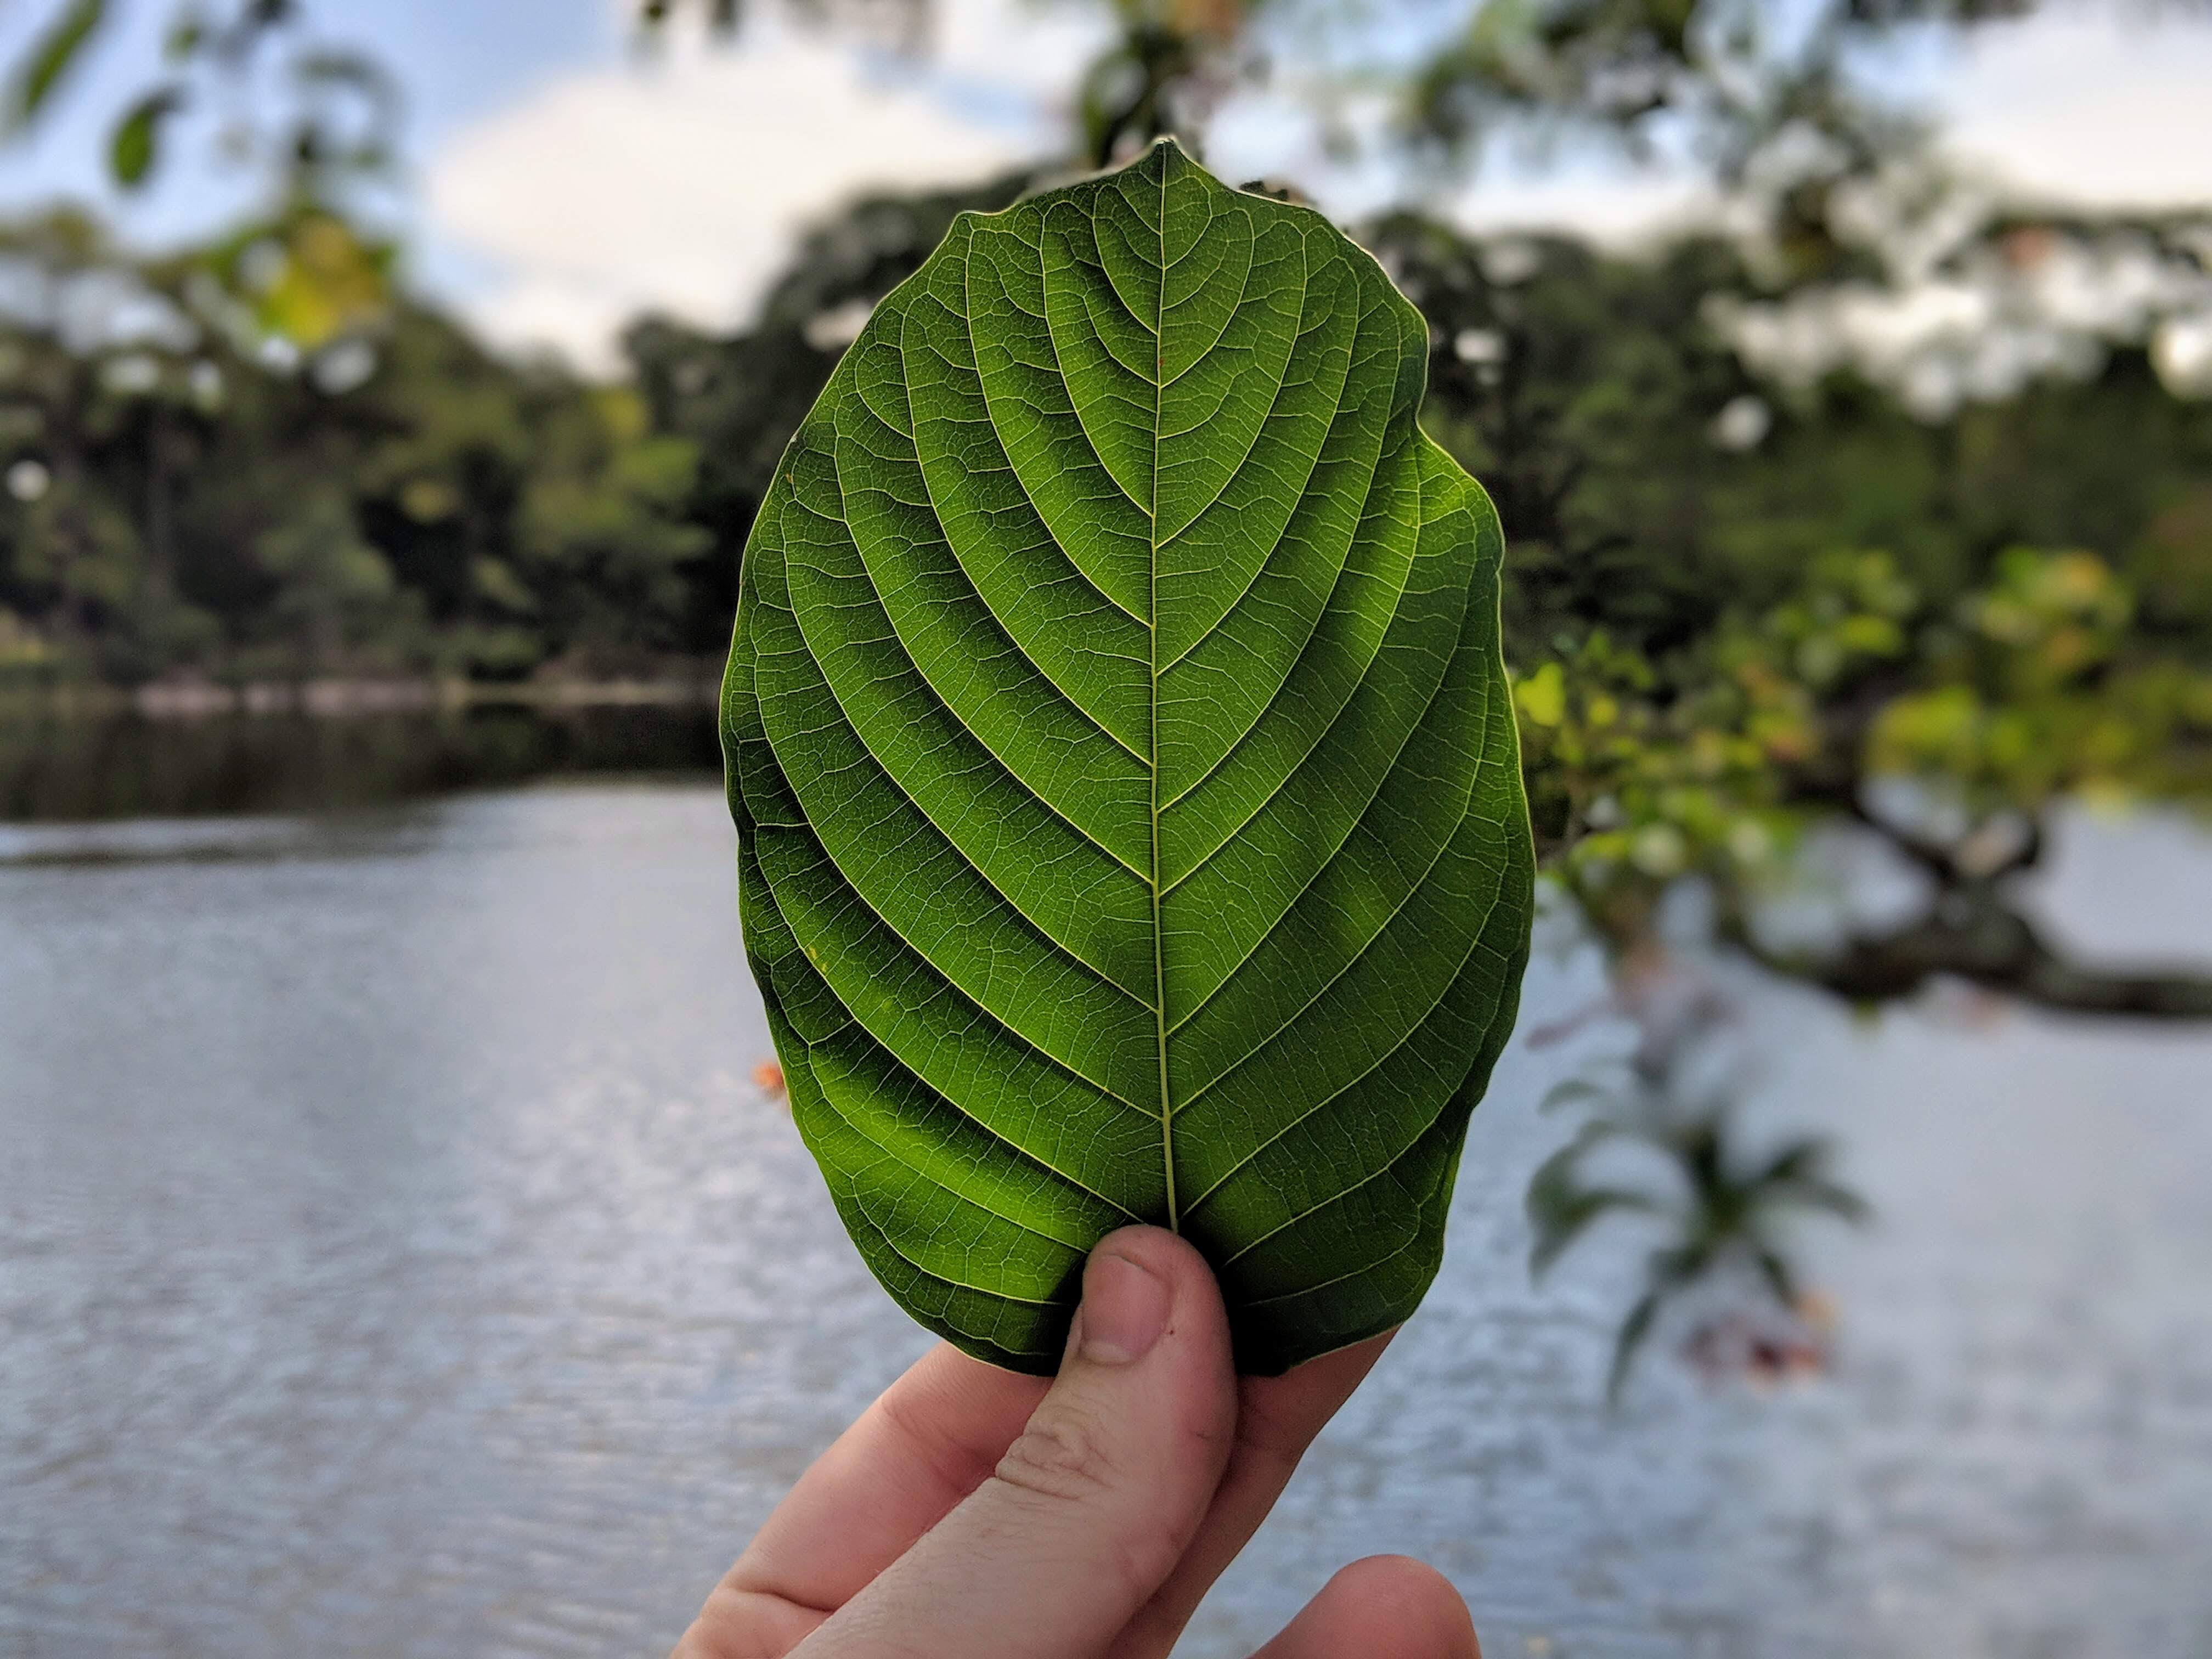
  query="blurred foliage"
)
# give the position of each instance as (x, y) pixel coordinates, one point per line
(54, 51)
(1740, 616)
(312, 122)
(71, 766)
(1719, 1212)
(1718, 759)
(191, 488)
(313, 119)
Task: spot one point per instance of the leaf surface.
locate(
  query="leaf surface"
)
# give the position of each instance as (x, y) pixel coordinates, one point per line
(1129, 807)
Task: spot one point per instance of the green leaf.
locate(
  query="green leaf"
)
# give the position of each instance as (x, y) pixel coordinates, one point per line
(1129, 806)
(132, 149)
(50, 57)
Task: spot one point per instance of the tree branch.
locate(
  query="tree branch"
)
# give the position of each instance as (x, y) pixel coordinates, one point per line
(1971, 933)
(1983, 855)
(1931, 856)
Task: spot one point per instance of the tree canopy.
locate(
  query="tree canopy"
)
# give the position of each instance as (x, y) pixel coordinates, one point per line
(1752, 606)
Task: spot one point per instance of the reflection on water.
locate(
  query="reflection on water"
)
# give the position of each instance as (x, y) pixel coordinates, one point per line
(395, 1261)
(67, 768)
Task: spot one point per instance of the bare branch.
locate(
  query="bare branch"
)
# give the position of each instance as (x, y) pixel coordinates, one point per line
(1972, 933)
(1931, 856)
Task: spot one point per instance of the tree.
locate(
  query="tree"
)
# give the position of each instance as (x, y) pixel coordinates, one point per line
(1754, 608)
(1725, 647)
(188, 491)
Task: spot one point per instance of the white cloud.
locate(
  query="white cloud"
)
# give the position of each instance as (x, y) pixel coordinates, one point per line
(1613, 206)
(2089, 107)
(2050, 308)
(1271, 134)
(678, 184)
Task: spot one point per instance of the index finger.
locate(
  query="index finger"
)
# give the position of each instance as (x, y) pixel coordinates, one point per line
(929, 1440)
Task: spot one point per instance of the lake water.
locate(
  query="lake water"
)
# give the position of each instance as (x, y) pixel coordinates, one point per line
(396, 1259)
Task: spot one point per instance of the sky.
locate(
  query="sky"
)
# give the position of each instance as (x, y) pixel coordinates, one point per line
(559, 181)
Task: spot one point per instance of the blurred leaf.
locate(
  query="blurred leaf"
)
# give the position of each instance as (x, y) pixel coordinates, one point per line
(187, 34)
(334, 67)
(50, 57)
(310, 279)
(1800, 1160)
(723, 17)
(1633, 1330)
(135, 145)
(1560, 1212)
(1779, 1278)
(1542, 696)
(1821, 1194)
(1572, 1089)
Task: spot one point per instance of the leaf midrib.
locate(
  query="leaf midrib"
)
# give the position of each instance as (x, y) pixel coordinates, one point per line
(1152, 605)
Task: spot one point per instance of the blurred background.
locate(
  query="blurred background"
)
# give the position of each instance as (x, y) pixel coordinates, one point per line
(405, 1249)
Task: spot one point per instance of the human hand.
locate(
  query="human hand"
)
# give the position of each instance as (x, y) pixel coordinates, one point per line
(974, 1514)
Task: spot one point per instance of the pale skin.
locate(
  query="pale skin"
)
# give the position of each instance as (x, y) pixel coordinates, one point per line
(977, 1513)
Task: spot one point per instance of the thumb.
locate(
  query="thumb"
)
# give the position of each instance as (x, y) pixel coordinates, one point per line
(1096, 1500)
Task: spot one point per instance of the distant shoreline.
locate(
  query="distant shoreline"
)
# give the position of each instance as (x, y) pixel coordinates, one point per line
(340, 698)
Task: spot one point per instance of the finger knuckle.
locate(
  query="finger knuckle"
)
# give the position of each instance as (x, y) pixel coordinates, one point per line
(1061, 1455)
(738, 1625)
